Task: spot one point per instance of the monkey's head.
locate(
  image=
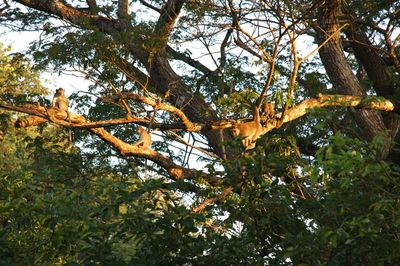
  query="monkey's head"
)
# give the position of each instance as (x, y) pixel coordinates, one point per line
(60, 91)
(235, 130)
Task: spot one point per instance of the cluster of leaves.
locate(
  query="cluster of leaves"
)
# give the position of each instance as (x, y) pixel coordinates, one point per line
(56, 208)
(18, 83)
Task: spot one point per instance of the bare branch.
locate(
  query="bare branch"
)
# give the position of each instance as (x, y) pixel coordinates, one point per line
(150, 6)
(265, 56)
(40, 114)
(160, 106)
(345, 101)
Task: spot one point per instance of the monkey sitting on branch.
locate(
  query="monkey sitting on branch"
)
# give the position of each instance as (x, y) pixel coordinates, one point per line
(145, 139)
(249, 131)
(60, 101)
(268, 110)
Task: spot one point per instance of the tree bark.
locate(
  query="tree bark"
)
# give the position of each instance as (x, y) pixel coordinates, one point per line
(339, 71)
(376, 69)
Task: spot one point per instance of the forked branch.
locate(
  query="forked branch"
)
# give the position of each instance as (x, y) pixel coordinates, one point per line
(190, 126)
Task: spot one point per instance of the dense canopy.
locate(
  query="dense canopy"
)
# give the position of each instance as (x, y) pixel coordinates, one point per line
(274, 130)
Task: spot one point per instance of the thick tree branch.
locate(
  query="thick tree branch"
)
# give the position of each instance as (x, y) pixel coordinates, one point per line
(74, 15)
(72, 120)
(344, 101)
(123, 12)
(175, 171)
(191, 127)
(40, 114)
(166, 21)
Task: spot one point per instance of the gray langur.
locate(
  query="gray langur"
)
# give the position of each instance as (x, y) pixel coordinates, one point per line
(249, 131)
(145, 139)
(269, 110)
(60, 101)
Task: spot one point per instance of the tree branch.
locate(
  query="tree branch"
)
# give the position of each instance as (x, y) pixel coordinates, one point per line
(345, 101)
(74, 15)
(191, 127)
(175, 171)
(123, 11)
(54, 115)
(165, 24)
(150, 6)
(208, 201)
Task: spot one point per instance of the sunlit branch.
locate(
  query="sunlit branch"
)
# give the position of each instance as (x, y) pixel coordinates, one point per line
(160, 106)
(344, 101)
(41, 114)
(209, 201)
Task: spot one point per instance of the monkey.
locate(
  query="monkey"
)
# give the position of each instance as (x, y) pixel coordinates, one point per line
(59, 100)
(145, 139)
(269, 110)
(249, 131)
(179, 101)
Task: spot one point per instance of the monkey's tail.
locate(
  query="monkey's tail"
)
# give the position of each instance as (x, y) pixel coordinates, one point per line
(69, 130)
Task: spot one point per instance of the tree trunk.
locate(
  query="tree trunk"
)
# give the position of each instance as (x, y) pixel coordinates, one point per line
(339, 71)
(376, 69)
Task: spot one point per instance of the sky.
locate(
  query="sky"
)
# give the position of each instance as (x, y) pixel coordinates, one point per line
(19, 42)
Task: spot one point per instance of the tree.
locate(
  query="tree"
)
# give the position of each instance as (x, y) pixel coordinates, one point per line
(332, 139)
